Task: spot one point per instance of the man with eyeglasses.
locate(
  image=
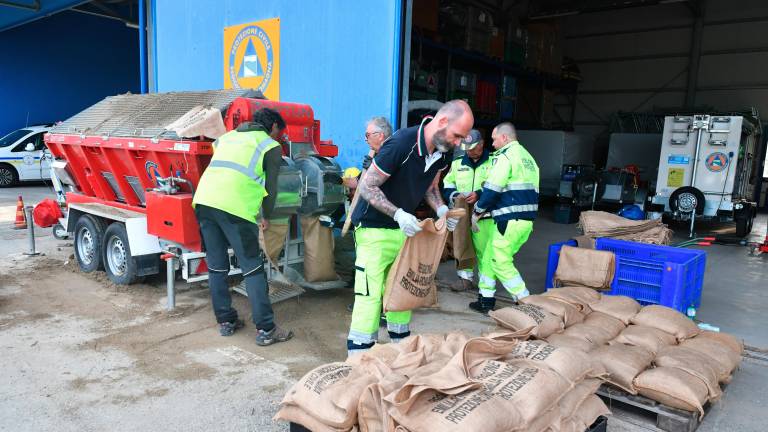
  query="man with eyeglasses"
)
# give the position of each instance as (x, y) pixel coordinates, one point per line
(405, 171)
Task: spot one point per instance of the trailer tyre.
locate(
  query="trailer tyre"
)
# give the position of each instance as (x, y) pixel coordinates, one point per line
(120, 266)
(744, 225)
(686, 199)
(89, 232)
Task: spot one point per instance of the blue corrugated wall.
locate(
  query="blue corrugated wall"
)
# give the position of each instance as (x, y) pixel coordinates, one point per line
(335, 55)
(55, 67)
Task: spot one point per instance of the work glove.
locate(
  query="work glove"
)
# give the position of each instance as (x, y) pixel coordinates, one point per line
(451, 222)
(326, 221)
(475, 218)
(408, 222)
(367, 162)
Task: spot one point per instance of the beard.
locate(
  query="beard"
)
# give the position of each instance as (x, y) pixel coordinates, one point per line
(441, 142)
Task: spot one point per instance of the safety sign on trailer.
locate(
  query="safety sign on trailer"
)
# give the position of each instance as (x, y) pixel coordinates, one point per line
(675, 177)
(252, 57)
(716, 161)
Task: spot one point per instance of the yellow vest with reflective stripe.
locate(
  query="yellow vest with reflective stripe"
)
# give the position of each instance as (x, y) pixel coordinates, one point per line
(234, 180)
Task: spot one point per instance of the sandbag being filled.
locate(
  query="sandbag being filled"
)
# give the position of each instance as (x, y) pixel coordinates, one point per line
(620, 307)
(319, 261)
(520, 317)
(646, 337)
(461, 238)
(411, 280)
(673, 387)
(623, 363)
(668, 320)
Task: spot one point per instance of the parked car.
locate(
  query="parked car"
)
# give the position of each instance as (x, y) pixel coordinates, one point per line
(21, 156)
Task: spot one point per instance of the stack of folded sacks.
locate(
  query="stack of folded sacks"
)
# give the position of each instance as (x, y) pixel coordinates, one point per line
(654, 350)
(451, 383)
(597, 224)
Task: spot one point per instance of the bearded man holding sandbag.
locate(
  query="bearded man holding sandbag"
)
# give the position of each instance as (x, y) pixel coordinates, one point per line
(406, 170)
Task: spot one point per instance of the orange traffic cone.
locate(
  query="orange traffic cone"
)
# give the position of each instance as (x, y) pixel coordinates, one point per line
(21, 217)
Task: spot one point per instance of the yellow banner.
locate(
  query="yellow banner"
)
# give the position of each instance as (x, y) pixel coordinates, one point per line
(252, 57)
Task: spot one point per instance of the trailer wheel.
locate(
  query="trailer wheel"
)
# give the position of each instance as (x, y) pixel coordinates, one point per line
(687, 200)
(89, 232)
(744, 226)
(59, 232)
(118, 263)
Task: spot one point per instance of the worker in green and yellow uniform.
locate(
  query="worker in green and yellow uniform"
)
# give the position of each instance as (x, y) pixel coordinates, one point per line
(466, 178)
(235, 194)
(511, 196)
(405, 171)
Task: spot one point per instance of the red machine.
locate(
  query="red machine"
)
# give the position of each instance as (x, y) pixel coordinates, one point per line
(130, 181)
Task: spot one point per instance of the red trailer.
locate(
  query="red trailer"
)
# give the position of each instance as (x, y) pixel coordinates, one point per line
(129, 180)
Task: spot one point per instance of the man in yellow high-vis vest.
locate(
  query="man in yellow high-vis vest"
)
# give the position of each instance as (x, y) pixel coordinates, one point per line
(236, 193)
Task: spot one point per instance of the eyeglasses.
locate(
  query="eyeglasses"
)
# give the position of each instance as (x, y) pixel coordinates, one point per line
(368, 134)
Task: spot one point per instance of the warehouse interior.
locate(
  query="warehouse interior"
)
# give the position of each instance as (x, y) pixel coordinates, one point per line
(594, 69)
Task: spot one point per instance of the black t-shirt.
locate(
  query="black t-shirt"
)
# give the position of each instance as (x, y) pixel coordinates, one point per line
(411, 170)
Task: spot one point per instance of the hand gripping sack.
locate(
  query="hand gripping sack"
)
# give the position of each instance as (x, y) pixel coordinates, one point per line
(411, 280)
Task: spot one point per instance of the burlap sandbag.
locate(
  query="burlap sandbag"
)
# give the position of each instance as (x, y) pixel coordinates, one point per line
(571, 364)
(373, 410)
(580, 297)
(411, 280)
(668, 320)
(461, 238)
(319, 264)
(568, 312)
(594, 335)
(330, 394)
(519, 389)
(589, 411)
(620, 307)
(571, 401)
(732, 342)
(585, 267)
(725, 358)
(295, 414)
(692, 362)
(650, 338)
(565, 341)
(273, 241)
(673, 387)
(623, 363)
(520, 317)
(608, 323)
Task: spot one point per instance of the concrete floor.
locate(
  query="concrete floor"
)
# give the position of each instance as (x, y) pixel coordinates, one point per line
(79, 353)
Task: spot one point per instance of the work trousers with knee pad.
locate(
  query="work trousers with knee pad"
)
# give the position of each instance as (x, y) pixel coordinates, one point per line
(219, 231)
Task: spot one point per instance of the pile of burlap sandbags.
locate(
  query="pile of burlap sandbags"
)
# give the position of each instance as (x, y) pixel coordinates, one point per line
(597, 224)
(654, 350)
(451, 383)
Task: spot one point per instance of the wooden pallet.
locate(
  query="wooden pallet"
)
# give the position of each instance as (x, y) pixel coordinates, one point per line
(667, 418)
(600, 425)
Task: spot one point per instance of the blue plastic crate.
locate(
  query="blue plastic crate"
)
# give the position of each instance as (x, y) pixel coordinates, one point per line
(650, 274)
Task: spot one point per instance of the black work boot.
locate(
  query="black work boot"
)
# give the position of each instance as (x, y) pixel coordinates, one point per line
(483, 304)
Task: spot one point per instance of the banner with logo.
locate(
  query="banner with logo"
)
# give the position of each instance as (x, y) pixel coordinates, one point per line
(252, 57)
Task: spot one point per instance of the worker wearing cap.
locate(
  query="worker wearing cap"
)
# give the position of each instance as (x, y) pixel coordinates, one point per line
(465, 179)
(237, 189)
(511, 196)
(405, 171)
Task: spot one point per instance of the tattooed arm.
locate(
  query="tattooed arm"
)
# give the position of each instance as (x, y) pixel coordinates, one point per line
(370, 190)
(432, 197)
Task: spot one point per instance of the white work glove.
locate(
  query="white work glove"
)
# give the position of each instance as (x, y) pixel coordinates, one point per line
(408, 222)
(451, 222)
(475, 218)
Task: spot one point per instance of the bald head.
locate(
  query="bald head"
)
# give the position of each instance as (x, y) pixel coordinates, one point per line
(503, 134)
(451, 124)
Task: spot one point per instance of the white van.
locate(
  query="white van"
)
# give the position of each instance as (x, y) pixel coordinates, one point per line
(21, 158)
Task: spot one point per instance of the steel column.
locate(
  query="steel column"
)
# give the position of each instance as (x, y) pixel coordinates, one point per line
(695, 55)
